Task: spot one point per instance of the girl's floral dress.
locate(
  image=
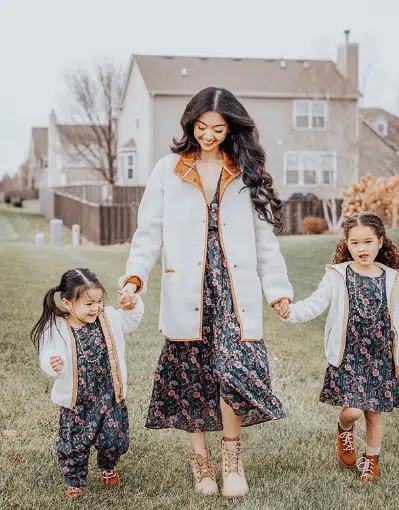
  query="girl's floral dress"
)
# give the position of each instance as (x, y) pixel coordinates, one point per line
(97, 420)
(192, 376)
(366, 378)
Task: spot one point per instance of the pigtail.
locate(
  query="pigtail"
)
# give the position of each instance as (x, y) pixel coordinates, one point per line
(388, 254)
(48, 317)
(342, 253)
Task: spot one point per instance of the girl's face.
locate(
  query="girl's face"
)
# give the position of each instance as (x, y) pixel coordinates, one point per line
(210, 130)
(86, 309)
(363, 244)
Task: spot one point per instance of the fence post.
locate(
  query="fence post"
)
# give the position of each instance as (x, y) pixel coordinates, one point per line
(75, 235)
(56, 232)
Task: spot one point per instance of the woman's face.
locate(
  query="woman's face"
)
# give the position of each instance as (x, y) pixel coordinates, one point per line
(210, 130)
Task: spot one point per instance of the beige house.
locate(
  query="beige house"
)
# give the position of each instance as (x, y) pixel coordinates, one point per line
(52, 159)
(379, 142)
(306, 110)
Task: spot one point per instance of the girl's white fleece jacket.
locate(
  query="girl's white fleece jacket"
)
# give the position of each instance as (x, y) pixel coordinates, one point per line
(332, 292)
(60, 341)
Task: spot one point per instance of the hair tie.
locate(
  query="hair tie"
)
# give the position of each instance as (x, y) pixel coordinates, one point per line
(57, 289)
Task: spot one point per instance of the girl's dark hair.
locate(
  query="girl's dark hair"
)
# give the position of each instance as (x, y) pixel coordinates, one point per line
(72, 285)
(241, 145)
(388, 254)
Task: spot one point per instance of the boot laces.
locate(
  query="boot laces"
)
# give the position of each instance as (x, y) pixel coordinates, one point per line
(366, 467)
(203, 467)
(108, 474)
(232, 458)
(347, 437)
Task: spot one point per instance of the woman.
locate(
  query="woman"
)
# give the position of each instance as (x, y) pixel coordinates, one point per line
(211, 209)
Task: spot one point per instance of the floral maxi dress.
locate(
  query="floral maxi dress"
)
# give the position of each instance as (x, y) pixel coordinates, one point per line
(191, 377)
(366, 378)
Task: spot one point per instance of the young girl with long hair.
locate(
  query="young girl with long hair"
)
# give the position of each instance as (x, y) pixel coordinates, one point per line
(211, 209)
(361, 335)
(82, 346)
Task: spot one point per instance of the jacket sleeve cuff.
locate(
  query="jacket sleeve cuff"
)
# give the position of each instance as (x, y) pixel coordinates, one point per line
(136, 280)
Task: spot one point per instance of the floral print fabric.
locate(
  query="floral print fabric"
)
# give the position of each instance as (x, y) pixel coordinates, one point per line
(366, 378)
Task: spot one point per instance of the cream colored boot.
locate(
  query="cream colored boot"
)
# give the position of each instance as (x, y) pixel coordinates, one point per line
(234, 482)
(204, 472)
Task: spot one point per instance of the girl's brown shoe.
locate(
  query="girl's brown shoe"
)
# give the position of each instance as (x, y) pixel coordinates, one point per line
(368, 467)
(110, 478)
(74, 492)
(346, 451)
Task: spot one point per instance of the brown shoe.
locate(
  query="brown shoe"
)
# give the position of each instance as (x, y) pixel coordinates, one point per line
(110, 478)
(204, 472)
(346, 451)
(74, 492)
(368, 467)
(234, 482)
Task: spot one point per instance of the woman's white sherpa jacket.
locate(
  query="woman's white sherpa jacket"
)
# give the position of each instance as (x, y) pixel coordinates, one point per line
(332, 292)
(173, 219)
(60, 341)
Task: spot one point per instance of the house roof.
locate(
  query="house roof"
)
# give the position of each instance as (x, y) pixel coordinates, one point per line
(39, 140)
(370, 116)
(131, 144)
(245, 77)
(75, 133)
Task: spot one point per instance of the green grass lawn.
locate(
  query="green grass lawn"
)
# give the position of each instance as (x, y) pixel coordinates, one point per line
(289, 464)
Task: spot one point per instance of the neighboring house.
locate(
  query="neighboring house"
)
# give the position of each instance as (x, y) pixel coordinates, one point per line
(379, 142)
(306, 111)
(53, 160)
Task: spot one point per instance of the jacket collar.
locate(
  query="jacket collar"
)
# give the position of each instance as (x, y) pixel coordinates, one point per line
(186, 170)
(391, 274)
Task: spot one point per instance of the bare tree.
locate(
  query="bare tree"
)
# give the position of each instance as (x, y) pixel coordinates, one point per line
(94, 98)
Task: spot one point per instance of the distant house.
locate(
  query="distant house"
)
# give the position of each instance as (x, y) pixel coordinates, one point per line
(379, 142)
(53, 160)
(306, 110)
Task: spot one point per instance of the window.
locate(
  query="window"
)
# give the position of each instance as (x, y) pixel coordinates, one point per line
(309, 168)
(127, 167)
(382, 127)
(310, 114)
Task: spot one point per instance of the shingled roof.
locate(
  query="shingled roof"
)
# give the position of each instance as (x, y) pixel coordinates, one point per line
(246, 77)
(371, 116)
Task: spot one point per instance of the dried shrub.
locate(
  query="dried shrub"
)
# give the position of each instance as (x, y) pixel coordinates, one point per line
(313, 225)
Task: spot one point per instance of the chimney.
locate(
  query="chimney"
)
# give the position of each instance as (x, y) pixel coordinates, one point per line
(348, 59)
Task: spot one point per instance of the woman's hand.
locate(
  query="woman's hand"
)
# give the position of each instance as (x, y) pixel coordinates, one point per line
(282, 308)
(56, 363)
(127, 297)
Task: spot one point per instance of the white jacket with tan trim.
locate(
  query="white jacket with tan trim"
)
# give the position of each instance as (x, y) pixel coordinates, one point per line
(60, 341)
(173, 219)
(332, 292)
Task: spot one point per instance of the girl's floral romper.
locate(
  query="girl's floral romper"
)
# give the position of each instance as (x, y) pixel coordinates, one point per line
(97, 420)
(366, 378)
(192, 376)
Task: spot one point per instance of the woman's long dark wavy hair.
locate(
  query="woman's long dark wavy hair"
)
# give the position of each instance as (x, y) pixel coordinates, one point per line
(72, 285)
(388, 254)
(241, 144)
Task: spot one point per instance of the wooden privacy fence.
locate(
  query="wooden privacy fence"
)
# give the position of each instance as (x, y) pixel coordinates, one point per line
(99, 223)
(115, 220)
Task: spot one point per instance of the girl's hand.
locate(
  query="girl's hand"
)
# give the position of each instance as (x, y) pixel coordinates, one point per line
(56, 363)
(282, 308)
(127, 297)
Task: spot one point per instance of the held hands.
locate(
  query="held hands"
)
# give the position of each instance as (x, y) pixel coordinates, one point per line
(127, 297)
(56, 363)
(282, 308)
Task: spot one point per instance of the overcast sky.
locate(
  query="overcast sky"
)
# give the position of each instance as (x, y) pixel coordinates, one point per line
(41, 40)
